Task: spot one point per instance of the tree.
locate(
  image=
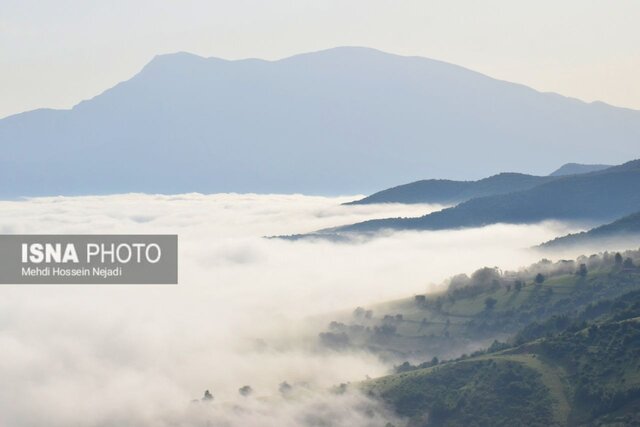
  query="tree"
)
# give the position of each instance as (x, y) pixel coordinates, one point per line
(618, 259)
(404, 367)
(385, 330)
(285, 388)
(245, 390)
(539, 278)
(497, 346)
(489, 303)
(486, 277)
(582, 270)
(459, 281)
(628, 263)
(342, 388)
(518, 285)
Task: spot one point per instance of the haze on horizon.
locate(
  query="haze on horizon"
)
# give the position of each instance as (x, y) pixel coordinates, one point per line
(588, 50)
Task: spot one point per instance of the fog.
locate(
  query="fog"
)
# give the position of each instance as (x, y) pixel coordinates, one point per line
(247, 310)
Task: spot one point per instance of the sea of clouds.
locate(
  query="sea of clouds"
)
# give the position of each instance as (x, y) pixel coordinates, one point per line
(247, 310)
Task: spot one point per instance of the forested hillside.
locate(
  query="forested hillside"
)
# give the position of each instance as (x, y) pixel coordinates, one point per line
(551, 344)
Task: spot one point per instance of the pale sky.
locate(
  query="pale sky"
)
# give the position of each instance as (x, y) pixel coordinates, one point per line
(55, 53)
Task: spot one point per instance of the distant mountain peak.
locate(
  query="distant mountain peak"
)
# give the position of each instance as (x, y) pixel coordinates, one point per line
(577, 168)
(178, 60)
(178, 56)
(346, 120)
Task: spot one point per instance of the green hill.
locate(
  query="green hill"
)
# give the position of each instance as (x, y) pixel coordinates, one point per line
(568, 355)
(497, 391)
(587, 373)
(552, 344)
(623, 229)
(478, 309)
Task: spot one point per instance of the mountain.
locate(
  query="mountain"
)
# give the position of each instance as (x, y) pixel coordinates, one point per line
(344, 120)
(552, 344)
(576, 168)
(623, 230)
(444, 191)
(597, 196)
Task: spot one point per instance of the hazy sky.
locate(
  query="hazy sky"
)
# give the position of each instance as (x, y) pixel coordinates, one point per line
(56, 53)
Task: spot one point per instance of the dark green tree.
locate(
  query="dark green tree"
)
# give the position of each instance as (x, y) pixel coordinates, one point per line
(245, 390)
(285, 388)
(518, 285)
(582, 270)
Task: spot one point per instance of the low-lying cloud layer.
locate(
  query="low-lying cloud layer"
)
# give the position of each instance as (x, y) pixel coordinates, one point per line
(139, 355)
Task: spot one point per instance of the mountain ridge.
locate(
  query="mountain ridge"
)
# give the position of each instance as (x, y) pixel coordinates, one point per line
(448, 191)
(600, 195)
(577, 168)
(624, 229)
(344, 120)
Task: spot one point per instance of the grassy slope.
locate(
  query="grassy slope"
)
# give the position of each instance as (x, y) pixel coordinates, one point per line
(463, 324)
(497, 391)
(554, 377)
(572, 355)
(588, 373)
